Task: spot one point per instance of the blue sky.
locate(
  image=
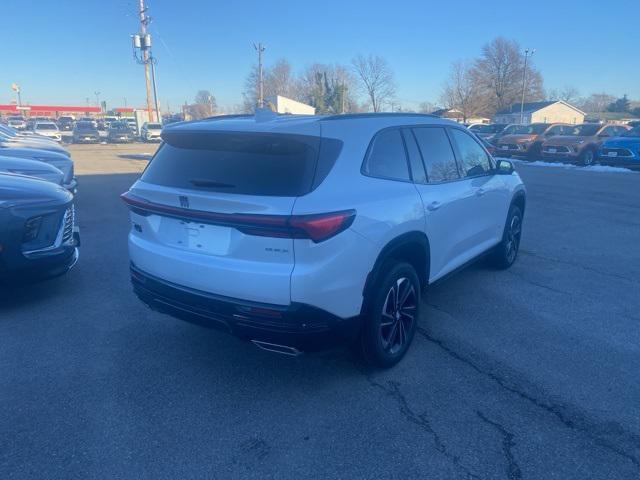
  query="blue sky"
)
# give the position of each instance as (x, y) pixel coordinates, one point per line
(63, 51)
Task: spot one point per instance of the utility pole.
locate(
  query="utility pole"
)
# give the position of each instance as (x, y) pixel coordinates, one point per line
(144, 20)
(527, 53)
(97, 94)
(260, 48)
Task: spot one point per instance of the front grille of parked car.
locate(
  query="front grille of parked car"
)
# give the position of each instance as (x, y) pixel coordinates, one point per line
(67, 225)
(620, 152)
(559, 149)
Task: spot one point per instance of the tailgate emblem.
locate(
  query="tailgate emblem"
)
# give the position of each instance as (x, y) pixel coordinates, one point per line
(184, 201)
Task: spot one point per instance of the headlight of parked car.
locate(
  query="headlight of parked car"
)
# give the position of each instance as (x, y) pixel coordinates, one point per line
(31, 229)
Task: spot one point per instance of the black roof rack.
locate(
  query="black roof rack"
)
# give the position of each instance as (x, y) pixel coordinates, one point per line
(228, 117)
(345, 116)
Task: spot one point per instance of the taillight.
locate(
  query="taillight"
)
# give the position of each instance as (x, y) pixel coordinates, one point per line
(315, 227)
(323, 226)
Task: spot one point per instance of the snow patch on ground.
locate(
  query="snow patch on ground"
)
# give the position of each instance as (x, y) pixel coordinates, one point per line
(592, 168)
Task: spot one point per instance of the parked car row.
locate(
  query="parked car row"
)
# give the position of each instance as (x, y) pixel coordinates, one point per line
(87, 129)
(39, 237)
(585, 143)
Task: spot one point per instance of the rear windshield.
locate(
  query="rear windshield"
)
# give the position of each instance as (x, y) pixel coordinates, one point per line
(154, 125)
(242, 163)
(46, 126)
(85, 126)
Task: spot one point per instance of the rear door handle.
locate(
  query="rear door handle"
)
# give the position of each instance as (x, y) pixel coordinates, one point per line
(434, 206)
(480, 192)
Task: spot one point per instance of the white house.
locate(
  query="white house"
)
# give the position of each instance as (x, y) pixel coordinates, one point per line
(555, 111)
(280, 104)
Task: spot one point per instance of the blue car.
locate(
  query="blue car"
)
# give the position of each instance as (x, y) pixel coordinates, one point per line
(623, 150)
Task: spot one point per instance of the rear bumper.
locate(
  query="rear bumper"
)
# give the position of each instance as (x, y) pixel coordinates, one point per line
(301, 326)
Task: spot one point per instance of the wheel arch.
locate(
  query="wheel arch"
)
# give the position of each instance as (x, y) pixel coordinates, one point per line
(411, 247)
(519, 200)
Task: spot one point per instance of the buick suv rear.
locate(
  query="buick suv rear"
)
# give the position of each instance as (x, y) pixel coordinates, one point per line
(303, 232)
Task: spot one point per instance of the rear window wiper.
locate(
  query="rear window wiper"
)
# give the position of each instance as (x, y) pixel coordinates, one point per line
(210, 184)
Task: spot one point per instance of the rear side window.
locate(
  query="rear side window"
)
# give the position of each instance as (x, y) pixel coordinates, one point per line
(473, 159)
(437, 154)
(387, 158)
(240, 163)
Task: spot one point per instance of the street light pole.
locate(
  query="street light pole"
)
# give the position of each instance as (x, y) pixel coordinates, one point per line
(527, 53)
(97, 94)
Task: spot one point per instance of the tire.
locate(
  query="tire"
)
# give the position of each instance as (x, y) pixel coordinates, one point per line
(390, 325)
(505, 253)
(588, 157)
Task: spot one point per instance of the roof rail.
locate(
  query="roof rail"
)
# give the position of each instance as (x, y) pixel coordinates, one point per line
(345, 116)
(228, 117)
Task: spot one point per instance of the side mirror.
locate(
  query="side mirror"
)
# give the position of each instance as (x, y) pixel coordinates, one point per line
(504, 167)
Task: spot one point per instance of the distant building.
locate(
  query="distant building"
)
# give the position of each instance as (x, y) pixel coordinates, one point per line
(556, 111)
(457, 116)
(47, 110)
(281, 104)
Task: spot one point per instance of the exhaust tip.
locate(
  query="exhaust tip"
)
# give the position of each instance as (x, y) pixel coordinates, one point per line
(275, 348)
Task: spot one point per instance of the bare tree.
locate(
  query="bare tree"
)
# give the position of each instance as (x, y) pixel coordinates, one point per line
(567, 94)
(427, 107)
(376, 78)
(204, 105)
(461, 91)
(597, 102)
(278, 80)
(498, 73)
(329, 88)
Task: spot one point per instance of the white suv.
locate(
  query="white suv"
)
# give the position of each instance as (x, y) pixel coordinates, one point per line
(47, 129)
(298, 232)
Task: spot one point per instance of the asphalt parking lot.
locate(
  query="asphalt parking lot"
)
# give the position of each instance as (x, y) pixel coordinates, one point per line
(528, 373)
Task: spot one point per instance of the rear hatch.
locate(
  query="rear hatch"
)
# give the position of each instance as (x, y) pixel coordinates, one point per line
(210, 210)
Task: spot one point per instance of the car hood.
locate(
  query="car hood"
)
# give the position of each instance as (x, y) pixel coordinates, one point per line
(518, 138)
(34, 168)
(35, 144)
(622, 142)
(18, 189)
(57, 159)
